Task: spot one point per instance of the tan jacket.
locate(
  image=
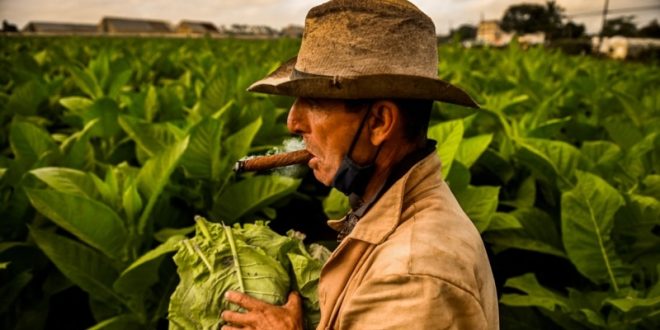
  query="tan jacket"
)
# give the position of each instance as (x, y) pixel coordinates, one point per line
(414, 261)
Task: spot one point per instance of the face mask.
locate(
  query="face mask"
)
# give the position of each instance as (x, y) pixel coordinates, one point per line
(352, 178)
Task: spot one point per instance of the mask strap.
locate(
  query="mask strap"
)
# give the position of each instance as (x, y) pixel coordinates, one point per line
(357, 135)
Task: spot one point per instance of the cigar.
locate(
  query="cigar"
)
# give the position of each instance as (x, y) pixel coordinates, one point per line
(264, 163)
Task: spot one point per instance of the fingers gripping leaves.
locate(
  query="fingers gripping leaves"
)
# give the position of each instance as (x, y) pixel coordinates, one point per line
(261, 315)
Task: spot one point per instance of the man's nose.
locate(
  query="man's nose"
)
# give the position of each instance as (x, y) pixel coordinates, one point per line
(295, 122)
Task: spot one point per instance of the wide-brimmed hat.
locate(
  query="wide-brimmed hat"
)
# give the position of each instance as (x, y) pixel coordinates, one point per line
(365, 49)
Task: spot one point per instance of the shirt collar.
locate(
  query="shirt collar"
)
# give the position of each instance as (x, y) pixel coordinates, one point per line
(385, 214)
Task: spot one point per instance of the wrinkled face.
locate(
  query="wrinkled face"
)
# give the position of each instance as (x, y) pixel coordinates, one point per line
(327, 129)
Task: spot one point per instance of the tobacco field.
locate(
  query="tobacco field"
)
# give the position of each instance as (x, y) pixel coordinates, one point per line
(109, 148)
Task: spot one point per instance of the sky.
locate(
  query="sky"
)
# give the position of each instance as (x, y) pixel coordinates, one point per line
(446, 14)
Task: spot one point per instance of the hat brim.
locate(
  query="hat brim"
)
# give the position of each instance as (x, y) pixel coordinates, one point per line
(286, 81)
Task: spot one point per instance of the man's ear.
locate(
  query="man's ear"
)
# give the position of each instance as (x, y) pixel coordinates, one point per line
(382, 123)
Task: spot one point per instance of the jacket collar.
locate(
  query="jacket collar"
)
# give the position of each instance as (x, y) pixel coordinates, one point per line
(385, 214)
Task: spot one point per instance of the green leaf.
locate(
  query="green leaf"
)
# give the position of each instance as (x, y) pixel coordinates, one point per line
(250, 195)
(622, 132)
(588, 303)
(499, 165)
(499, 103)
(2, 172)
(629, 303)
(132, 202)
(221, 112)
(631, 106)
(67, 180)
(654, 291)
(538, 234)
(651, 186)
(30, 143)
(91, 221)
(156, 171)
(76, 104)
(108, 189)
(151, 104)
(153, 138)
(637, 162)
(86, 82)
(459, 176)
(549, 129)
(99, 67)
(78, 151)
(501, 221)
(5, 246)
(102, 309)
(479, 203)
(88, 269)
(143, 272)
(536, 294)
(202, 159)
(526, 195)
(11, 289)
(336, 205)
(214, 95)
(635, 226)
(117, 81)
(120, 322)
(25, 98)
(587, 216)
(552, 161)
(237, 145)
(602, 154)
(306, 273)
(449, 135)
(106, 111)
(155, 174)
(164, 234)
(471, 148)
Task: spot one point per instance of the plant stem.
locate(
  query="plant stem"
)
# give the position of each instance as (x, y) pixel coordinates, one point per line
(202, 227)
(199, 252)
(234, 253)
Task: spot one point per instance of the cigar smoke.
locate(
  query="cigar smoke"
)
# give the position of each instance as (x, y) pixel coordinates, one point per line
(288, 160)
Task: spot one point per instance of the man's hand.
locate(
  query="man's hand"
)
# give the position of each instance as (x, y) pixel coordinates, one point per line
(261, 315)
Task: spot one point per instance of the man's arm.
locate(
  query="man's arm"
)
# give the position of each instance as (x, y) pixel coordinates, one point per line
(412, 302)
(261, 315)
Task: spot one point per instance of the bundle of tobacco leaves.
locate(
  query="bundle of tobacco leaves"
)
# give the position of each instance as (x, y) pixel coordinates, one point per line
(252, 259)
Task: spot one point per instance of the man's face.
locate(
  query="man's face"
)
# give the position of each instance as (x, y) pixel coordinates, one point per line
(327, 129)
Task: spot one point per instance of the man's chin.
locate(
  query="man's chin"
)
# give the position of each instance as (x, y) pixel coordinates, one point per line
(322, 178)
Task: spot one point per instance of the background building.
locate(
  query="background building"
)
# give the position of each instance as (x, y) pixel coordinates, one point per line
(60, 28)
(490, 33)
(197, 28)
(115, 25)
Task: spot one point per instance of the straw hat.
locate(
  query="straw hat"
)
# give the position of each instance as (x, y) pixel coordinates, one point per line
(365, 50)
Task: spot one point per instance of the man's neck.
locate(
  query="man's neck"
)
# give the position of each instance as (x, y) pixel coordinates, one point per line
(389, 157)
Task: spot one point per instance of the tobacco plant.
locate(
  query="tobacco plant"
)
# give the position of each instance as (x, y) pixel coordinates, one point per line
(109, 147)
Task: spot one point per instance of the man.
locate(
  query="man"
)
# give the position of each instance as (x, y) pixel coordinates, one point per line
(409, 258)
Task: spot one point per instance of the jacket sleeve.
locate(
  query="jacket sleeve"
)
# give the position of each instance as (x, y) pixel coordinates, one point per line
(412, 302)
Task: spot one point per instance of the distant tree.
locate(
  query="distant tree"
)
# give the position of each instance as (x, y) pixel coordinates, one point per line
(523, 18)
(572, 30)
(529, 18)
(652, 30)
(8, 27)
(555, 15)
(620, 26)
(464, 32)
